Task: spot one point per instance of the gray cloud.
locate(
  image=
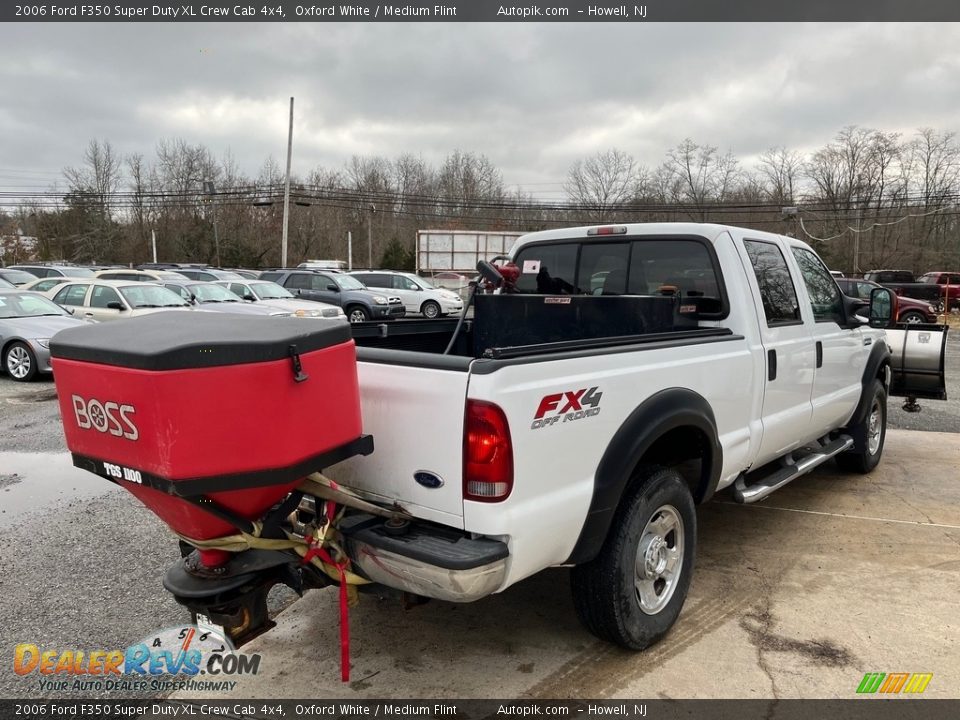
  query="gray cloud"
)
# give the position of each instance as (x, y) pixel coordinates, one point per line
(532, 97)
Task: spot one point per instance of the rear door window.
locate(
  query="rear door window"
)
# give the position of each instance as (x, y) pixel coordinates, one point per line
(71, 295)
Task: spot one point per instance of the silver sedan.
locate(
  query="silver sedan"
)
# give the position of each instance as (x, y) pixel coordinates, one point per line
(27, 322)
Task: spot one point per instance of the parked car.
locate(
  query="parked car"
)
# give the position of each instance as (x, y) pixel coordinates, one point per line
(908, 310)
(43, 284)
(269, 294)
(154, 276)
(105, 300)
(42, 271)
(947, 282)
(417, 295)
(243, 272)
(27, 322)
(16, 277)
(208, 274)
(214, 297)
(359, 303)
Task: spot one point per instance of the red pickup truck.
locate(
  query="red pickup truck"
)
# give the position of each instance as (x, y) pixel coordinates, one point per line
(949, 282)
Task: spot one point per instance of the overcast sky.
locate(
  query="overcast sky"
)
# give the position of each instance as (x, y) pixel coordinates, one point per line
(532, 97)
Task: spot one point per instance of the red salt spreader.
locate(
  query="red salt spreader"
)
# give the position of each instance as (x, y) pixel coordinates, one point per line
(212, 422)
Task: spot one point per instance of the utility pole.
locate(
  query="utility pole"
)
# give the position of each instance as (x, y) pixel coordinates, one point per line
(286, 193)
(210, 190)
(153, 241)
(349, 250)
(373, 209)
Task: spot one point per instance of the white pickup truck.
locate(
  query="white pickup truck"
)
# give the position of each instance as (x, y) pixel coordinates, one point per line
(621, 375)
(633, 372)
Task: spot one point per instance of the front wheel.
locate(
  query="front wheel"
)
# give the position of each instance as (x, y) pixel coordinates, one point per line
(430, 309)
(20, 362)
(357, 314)
(632, 592)
(912, 317)
(873, 430)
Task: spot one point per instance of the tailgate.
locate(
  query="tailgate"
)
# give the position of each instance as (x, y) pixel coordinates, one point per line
(415, 415)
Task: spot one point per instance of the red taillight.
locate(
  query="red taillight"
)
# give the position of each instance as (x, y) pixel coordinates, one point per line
(608, 230)
(487, 453)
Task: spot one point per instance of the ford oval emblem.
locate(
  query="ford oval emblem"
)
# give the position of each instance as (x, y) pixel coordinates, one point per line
(428, 479)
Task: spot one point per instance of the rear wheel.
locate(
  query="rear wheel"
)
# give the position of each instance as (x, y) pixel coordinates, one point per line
(632, 592)
(874, 431)
(20, 362)
(357, 314)
(430, 309)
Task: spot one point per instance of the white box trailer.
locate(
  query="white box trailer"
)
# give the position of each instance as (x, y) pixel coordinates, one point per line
(459, 250)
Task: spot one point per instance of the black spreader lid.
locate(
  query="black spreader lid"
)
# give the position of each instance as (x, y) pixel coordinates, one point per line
(183, 340)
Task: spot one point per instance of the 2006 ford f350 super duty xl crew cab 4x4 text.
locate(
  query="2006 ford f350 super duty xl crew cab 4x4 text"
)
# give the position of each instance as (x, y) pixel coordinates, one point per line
(617, 377)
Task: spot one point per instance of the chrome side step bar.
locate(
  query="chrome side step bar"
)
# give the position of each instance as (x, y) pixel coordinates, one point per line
(791, 470)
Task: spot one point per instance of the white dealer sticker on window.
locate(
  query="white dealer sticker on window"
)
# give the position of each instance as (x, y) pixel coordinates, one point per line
(531, 267)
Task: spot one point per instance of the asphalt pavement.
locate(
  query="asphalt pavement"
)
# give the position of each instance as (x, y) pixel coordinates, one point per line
(81, 564)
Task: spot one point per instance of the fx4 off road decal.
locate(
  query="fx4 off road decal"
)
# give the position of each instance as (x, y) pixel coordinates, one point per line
(567, 407)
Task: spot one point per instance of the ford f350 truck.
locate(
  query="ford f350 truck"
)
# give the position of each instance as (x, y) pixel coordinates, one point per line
(630, 373)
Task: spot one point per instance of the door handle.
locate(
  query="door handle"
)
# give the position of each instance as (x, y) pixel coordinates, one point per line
(819, 354)
(88, 314)
(771, 365)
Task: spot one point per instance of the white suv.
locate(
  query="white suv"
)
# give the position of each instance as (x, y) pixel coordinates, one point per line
(417, 295)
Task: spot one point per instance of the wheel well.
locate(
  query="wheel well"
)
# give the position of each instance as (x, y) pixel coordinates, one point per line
(428, 302)
(353, 305)
(687, 450)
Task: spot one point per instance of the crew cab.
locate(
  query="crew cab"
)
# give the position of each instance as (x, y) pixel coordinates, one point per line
(903, 283)
(619, 376)
(948, 284)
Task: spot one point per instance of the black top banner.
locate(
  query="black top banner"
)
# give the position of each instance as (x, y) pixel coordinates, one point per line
(490, 11)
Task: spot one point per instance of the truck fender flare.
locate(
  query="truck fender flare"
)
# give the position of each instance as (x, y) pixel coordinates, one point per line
(662, 412)
(878, 359)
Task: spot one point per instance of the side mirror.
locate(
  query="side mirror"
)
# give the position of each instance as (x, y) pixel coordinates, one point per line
(333, 288)
(249, 296)
(193, 299)
(70, 310)
(882, 308)
(114, 305)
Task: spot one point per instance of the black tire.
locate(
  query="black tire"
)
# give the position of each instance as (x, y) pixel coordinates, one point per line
(357, 313)
(912, 316)
(20, 362)
(866, 458)
(430, 309)
(605, 590)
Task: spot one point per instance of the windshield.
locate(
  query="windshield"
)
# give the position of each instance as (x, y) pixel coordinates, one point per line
(929, 278)
(419, 281)
(17, 277)
(150, 296)
(212, 293)
(348, 282)
(270, 291)
(22, 305)
(225, 275)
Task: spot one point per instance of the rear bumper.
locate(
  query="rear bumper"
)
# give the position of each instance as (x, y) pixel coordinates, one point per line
(428, 560)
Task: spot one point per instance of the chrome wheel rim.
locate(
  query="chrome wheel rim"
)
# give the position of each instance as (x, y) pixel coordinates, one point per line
(913, 320)
(357, 316)
(431, 310)
(874, 428)
(659, 560)
(18, 362)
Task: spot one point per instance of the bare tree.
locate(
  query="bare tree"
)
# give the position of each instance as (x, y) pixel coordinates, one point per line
(604, 184)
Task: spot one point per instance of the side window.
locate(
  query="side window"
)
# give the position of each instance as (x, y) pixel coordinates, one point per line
(271, 276)
(603, 268)
(238, 289)
(823, 291)
(320, 282)
(299, 281)
(103, 295)
(71, 295)
(45, 285)
(777, 293)
(403, 283)
(547, 269)
(864, 290)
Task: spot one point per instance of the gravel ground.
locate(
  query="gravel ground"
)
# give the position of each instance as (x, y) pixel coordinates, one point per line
(88, 575)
